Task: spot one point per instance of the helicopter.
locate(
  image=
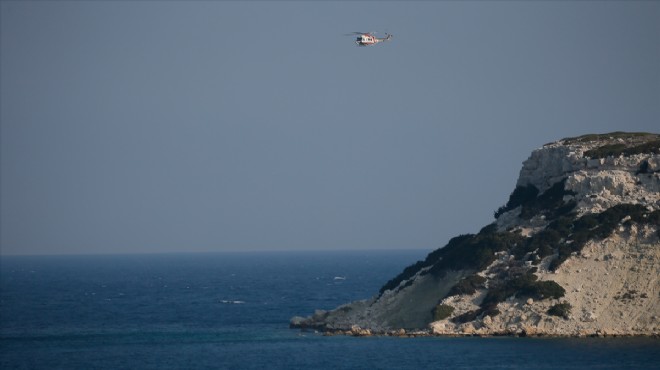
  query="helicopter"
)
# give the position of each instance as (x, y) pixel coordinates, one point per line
(368, 38)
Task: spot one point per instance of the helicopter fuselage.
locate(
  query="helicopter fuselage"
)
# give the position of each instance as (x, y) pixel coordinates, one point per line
(367, 39)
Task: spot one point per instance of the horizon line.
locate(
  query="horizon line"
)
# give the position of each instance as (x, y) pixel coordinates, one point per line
(227, 251)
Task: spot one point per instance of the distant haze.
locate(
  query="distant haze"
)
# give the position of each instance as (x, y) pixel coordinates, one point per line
(207, 126)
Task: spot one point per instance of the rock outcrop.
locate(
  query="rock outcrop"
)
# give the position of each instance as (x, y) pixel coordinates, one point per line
(574, 252)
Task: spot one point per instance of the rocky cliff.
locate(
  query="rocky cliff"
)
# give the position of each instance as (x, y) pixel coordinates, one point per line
(575, 251)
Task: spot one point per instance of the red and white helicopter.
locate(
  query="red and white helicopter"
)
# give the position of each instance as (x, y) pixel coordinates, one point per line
(368, 38)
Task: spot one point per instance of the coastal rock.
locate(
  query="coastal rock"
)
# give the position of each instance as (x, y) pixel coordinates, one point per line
(297, 321)
(574, 252)
(357, 331)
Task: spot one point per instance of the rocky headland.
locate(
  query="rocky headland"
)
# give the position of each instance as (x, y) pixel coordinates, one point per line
(574, 252)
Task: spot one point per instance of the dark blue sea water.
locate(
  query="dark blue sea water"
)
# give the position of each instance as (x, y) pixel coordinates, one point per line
(231, 310)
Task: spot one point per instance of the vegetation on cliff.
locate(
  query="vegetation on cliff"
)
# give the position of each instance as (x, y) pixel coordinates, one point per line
(618, 143)
(472, 252)
(633, 136)
(615, 150)
(561, 309)
(523, 285)
(468, 285)
(550, 204)
(576, 232)
(442, 311)
(564, 236)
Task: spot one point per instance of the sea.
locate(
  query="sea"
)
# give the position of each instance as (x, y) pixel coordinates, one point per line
(231, 310)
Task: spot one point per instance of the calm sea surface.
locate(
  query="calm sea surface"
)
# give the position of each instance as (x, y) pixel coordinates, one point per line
(231, 310)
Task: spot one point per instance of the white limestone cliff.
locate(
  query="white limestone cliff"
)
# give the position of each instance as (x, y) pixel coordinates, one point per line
(611, 281)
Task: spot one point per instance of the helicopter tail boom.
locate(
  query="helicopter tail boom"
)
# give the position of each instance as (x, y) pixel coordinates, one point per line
(387, 38)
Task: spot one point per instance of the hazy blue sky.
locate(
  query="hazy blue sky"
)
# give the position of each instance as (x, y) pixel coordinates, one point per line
(202, 126)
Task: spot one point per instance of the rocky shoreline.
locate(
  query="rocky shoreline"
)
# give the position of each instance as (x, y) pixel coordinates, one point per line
(357, 331)
(402, 333)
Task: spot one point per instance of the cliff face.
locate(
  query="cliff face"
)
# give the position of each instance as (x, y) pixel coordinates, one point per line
(575, 251)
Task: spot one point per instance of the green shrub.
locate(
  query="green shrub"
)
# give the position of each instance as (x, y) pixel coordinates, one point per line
(468, 316)
(545, 241)
(561, 309)
(550, 203)
(651, 147)
(473, 252)
(610, 150)
(525, 285)
(519, 196)
(491, 311)
(464, 252)
(554, 264)
(630, 295)
(496, 295)
(407, 273)
(654, 218)
(607, 136)
(595, 226)
(468, 285)
(615, 150)
(544, 290)
(442, 311)
(431, 258)
(643, 168)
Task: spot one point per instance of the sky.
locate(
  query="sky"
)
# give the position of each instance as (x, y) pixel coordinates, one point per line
(145, 127)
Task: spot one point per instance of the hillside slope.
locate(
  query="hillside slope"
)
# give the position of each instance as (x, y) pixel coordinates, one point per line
(575, 251)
